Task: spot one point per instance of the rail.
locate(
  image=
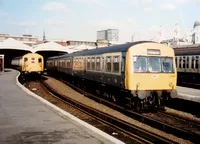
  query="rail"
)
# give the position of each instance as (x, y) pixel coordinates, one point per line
(142, 135)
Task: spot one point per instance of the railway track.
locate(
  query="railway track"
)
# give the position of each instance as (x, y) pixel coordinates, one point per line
(176, 121)
(141, 135)
(190, 130)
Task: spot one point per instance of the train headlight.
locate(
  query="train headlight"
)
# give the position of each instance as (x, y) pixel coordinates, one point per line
(173, 93)
(143, 94)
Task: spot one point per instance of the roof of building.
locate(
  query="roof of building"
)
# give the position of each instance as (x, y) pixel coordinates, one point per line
(50, 46)
(115, 48)
(11, 43)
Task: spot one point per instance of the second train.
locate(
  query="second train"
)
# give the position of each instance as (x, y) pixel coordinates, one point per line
(141, 74)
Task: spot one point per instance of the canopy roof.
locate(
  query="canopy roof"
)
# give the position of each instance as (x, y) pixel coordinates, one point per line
(50, 46)
(11, 43)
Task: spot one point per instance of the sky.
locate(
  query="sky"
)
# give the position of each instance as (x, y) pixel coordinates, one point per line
(80, 19)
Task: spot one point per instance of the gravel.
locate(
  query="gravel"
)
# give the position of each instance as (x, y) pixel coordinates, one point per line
(69, 92)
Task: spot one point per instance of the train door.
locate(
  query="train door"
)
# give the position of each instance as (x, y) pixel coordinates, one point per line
(40, 62)
(1, 65)
(25, 63)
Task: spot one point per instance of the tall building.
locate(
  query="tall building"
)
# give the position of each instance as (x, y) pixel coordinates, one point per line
(109, 35)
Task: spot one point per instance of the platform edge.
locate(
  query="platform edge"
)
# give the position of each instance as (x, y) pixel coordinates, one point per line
(64, 113)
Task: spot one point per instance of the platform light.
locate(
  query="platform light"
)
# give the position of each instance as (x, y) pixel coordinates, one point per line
(153, 52)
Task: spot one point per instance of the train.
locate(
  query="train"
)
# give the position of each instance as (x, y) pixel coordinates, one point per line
(141, 75)
(188, 65)
(30, 63)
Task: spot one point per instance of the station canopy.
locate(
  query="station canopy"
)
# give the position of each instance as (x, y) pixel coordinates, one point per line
(82, 47)
(13, 44)
(50, 46)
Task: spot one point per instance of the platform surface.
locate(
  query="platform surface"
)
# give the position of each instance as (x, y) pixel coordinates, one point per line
(188, 94)
(24, 119)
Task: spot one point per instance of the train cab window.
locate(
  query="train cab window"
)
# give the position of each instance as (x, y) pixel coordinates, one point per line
(25, 59)
(154, 64)
(39, 60)
(88, 63)
(97, 63)
(93, 63)
(108, 64)
(116, 64)
(167, 65)
(140, 64)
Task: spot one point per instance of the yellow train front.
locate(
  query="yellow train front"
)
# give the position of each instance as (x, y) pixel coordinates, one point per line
(31, 63)
(151, 74)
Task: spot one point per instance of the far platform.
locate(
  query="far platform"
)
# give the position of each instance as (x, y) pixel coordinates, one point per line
(188, 94)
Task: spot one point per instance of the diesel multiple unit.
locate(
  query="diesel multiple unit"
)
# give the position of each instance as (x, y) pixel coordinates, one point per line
(29, 63)
(138, 74)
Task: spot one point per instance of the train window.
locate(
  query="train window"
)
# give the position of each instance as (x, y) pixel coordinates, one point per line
(88, 63)
(25, 59)
(197, 62)
(102, 63)
(193, 63)
(93, 63)
(184, 62)
(187, 62)
(176, 61)
(140, 64)
(108, 64)
(154, 64)
(39, 60)
(123, 64)
(97, 63)
(167, 65)
(180, 62)
(116, 64)
(63, 63)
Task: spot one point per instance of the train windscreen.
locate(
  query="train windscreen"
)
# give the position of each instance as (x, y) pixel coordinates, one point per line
(152, 64)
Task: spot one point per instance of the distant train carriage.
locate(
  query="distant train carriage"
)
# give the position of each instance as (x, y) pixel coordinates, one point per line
(141, 74)
(29, 63)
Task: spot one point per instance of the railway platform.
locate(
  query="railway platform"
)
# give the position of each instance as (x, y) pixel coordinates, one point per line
(189, 94)
(25, 119)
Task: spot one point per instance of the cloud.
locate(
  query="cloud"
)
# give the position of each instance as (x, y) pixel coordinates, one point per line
(148, 9)
(132, 3)
(108, 23)
(169, 7)
(23, 23)
(53, 6)
(2, 14)
(187, 1)
(91, 2)
(147, 1)
(53, 22)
